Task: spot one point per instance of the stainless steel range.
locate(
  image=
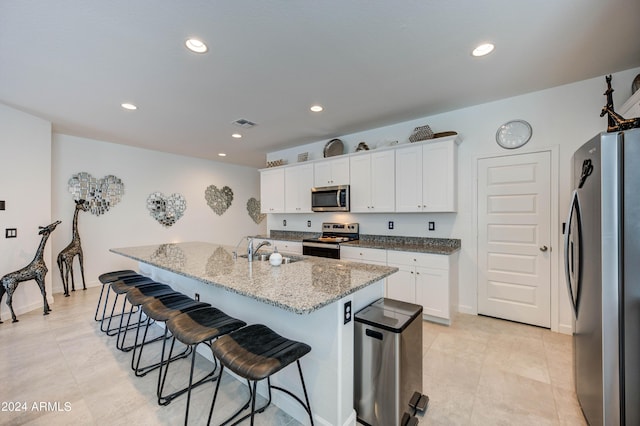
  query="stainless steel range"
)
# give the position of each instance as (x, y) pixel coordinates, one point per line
(328, 245)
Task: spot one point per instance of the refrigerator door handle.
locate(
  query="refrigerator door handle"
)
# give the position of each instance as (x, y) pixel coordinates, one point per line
(573, 287)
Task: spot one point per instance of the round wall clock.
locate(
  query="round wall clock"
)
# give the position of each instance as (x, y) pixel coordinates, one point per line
(513, 134)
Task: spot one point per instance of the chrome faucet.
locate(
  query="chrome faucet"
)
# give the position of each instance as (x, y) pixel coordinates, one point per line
(251, 251)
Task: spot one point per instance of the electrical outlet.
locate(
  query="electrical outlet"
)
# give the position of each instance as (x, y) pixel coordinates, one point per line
(197, 297)
(11, 233)
(390, 224)
(347, 312)
(432, 226)
(284, 222)
(308, 224)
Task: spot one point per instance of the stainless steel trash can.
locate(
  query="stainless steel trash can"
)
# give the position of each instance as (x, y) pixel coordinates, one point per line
(388, 360)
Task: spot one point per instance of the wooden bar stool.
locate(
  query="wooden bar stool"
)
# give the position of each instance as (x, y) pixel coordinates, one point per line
(161, 309)
(256, 352)
(136, 296)
(192, 328)
(119, 287)
(106, 279)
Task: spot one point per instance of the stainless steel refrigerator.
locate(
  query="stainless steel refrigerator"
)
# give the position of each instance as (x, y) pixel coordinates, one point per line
(602, 264)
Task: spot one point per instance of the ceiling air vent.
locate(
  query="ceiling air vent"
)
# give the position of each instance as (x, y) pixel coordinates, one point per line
(244, 123)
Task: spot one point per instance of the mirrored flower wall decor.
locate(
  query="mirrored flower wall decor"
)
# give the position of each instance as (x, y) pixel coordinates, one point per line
(218, 199)
(253, 207)
(99, 194)
(166, 210)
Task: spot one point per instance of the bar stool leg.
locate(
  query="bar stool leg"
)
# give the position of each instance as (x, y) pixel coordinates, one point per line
(240, 410)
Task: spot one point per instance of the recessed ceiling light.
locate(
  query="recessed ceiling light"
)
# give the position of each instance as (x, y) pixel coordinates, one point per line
(316, 108)
(222, 154)
(483, 49)
(196, 45)
(236, 135)
(128, 106)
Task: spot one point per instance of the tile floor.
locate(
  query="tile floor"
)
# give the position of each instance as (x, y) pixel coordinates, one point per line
(480, 371)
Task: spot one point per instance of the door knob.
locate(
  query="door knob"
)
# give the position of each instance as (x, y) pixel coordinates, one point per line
(544, 248)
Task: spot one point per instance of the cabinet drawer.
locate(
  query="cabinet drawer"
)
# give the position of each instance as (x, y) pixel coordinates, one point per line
(363, 254)
(292, 247)
(425, 260)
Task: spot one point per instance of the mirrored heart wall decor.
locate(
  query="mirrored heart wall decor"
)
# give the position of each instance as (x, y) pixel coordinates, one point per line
(218, 199)
(166, 210)
(99, 194)
(253, 207)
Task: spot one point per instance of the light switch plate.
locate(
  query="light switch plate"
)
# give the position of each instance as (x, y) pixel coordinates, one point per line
(432, 226)
(11, 233)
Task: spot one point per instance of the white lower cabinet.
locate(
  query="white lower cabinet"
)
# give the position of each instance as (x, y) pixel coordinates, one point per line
(425, 279)
(402, 284)
(429, 280)
(364, 255)
(293, 247)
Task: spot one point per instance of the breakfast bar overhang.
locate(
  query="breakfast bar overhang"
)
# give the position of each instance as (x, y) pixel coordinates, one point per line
(311, 300)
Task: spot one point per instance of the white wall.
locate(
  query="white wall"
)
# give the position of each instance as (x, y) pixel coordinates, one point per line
(563, 117)
(25, 185)
(129, 222)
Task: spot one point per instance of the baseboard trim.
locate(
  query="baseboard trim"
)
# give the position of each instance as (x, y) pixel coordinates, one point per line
(466, 309)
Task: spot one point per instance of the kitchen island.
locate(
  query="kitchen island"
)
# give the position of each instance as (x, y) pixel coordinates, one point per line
(305, 300)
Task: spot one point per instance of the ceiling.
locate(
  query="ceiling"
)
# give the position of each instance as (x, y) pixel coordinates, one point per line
(370, 63)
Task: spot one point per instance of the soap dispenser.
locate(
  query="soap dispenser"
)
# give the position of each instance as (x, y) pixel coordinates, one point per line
(276, 258)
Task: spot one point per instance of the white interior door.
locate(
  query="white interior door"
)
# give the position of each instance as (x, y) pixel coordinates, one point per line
(514, 240)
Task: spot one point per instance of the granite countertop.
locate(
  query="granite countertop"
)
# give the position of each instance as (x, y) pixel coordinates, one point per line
(300, 287)
(415, 244)
(382, 242)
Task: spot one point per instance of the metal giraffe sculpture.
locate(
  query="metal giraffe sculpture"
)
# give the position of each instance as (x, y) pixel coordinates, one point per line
(36, 270)
(65, 257)
(616, 122)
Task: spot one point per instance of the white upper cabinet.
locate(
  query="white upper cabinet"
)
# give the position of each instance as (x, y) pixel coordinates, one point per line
(332, 172)
(298, 181)
(272, 191)
(373, 182)
(439, 177)
(409, 179)
(426, 176)
(417, 177)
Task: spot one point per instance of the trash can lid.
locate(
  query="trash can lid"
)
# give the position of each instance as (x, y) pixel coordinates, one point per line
(388, 314)
(409, 309)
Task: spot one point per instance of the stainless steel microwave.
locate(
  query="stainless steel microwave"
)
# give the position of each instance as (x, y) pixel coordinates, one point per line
(330, 198)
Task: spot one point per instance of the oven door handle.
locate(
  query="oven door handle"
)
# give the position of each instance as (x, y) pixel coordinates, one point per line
(321, 245)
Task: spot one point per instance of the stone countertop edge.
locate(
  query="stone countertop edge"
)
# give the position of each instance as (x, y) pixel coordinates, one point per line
(297, 310)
